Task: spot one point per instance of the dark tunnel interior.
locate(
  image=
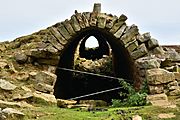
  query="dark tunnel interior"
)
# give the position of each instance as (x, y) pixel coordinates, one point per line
(67, 87)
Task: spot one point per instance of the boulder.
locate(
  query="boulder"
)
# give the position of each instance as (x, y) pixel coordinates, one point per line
(5, 85)
(13, 114)
(159, 76)
(21, 58)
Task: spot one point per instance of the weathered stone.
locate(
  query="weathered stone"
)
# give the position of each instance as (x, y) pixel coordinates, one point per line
(45, 88)
(158, 99)
(61, 28)
(146, 36)
(55, 43)
(80, 20)
(22, 76)
(44, 53)
(74, 23)
(45, 77)
(118, 24)
(177, 77)
(128, 36)
(152, 43)
(172, 85)
(65, 103)
(166, 115)
(110, 21)
(131, 46)
(141, 51)
(5, 85)
(86, 17)
(39, 97)
(3, 65)
(121, 30)
(13, 114)
(69, 28)
(157, 50)
(156, 89)
(53, 62)
(148, 62)
(175, 92)
(136, 117)
(25, 96)
(101, 21)
(97, 8)
(172, 55)
(21, 58)
(52, 50)
(93, 19)
(159, 76)
(58, 35)
(140, 38)
(2, 47)
(5, 104)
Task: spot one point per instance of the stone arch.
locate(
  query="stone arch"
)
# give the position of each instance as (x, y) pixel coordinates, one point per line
(60, 40)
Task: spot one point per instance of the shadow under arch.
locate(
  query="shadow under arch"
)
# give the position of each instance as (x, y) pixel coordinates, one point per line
(123, 66)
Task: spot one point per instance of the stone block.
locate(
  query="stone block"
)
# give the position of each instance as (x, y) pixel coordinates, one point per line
(148, 62)
(152, 43)
(156, 89)
(61, 28)
(101, 21)
(129, 34)
(42, 87)
(55, 42)
(131, 46)
(177, 77)
(93, 19)
(68, 27)
(65, 103)
(159, 76)
(121, 30)
(141, 51)
(118, 24)
(175, 92)
(110, 21)
(146, 36)
(80, 20)
(45, 77)
(86, 17)
(58, 35)
(75, 24)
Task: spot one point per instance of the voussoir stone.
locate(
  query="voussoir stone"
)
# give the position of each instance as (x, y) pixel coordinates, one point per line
(141, 51)
(159, 76)
(5, 85)
(152, 43)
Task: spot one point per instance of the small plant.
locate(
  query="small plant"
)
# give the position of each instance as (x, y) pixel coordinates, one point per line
(132, 98)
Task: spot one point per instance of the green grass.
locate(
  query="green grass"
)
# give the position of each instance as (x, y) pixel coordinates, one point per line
(54, 113)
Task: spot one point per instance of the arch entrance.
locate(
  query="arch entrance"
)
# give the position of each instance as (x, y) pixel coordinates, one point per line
(120, 64)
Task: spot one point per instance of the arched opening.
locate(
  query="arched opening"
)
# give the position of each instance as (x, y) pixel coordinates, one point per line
(67, 87)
